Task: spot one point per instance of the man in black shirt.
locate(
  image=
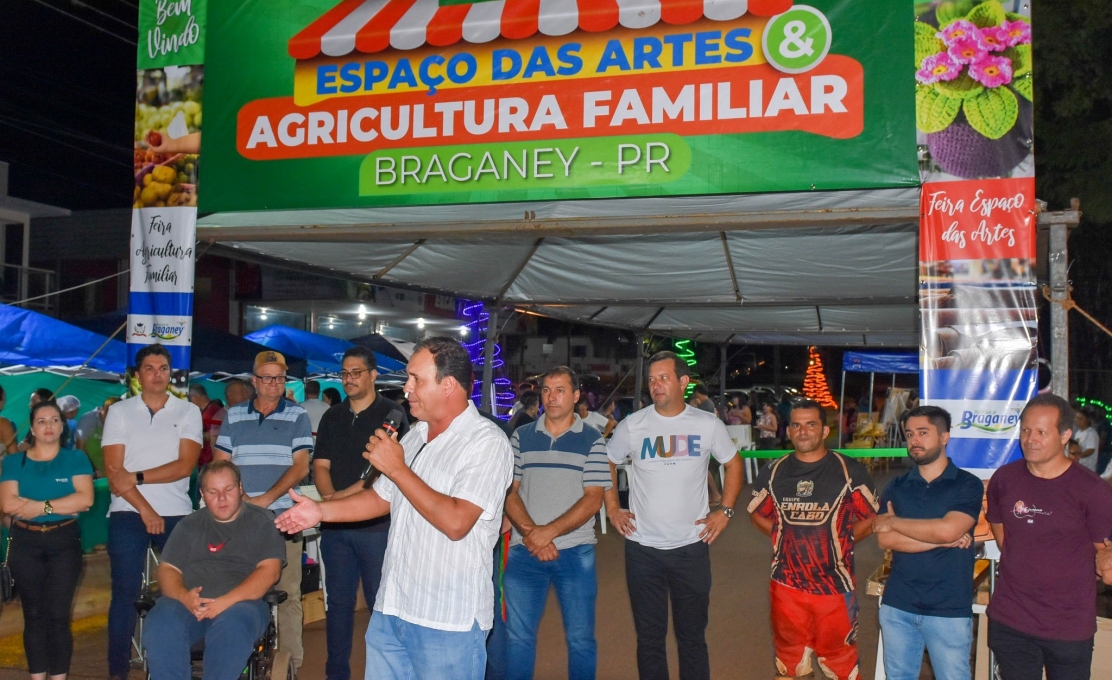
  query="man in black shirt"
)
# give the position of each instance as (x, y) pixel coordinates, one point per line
(352, 551)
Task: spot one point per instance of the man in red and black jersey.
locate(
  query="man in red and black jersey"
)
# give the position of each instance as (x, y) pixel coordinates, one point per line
(814, 504)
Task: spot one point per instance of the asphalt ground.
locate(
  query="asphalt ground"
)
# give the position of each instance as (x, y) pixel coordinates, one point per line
(739, 636)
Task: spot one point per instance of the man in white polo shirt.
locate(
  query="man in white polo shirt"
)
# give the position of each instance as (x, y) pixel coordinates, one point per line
(444, 486)
(669, 528)
(151, 443)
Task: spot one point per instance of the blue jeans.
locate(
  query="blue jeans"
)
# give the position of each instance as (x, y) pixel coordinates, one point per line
(527, 581)
(947, 640)
(399, 650)
(229, 639)
(350, 557)
(128, 541)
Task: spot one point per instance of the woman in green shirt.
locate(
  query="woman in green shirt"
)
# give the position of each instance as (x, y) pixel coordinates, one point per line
(43, 489)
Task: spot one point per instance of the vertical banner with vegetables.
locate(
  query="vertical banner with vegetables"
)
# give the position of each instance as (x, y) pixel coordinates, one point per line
(169, 83)
(977, 241)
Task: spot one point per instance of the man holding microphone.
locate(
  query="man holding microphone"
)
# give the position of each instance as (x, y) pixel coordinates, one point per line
(443, 486)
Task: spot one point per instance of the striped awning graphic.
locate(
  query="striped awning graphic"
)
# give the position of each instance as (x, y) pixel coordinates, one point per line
(370, 26)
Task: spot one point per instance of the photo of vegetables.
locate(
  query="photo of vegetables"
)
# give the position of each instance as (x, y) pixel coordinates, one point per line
(168, 118)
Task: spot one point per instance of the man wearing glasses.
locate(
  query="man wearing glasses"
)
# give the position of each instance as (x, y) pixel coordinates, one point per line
(352, 551)
(270, 438)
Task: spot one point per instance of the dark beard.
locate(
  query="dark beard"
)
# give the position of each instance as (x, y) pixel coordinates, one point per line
(927, 457)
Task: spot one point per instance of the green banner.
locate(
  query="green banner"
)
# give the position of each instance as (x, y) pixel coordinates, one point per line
(171, 33)
(314, 104)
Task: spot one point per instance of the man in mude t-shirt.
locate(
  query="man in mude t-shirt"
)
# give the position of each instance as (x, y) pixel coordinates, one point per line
(815, 504)
(669, 528)
(215, 569)
(1049, 515)
(352, 552)
(926, 519)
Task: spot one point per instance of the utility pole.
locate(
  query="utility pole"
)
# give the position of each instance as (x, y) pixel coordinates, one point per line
(1059, 223)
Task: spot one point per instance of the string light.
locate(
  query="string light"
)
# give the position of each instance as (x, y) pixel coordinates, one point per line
(1085, 401)
(814, 381)
(475, 326)
(685, 352)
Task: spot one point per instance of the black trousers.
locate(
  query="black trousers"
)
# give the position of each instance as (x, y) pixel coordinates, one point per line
(654, 575)
(46, 567)
(1022, 657)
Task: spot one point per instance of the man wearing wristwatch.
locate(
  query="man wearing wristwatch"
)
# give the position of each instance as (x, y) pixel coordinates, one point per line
(815, 504)
(668, 527)
(151, 443)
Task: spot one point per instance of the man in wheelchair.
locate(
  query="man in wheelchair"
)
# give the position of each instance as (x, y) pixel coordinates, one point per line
(217, 566)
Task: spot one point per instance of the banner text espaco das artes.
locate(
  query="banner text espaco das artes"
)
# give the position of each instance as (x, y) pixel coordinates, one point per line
(704, 79)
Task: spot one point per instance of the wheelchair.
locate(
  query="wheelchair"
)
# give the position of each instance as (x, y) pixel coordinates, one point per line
(265, 662)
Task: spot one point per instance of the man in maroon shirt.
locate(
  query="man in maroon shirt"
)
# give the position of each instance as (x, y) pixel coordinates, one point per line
(1055, 515)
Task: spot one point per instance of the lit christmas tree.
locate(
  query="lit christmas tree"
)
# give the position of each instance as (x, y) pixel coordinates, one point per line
(814, 382)
(475, 319)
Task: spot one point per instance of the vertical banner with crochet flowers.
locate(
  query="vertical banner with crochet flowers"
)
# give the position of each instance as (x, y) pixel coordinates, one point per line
(973, 93)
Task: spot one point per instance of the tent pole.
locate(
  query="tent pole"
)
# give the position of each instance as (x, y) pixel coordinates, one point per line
(722, 381)
(639, 371)
(841, 406)
(872, 379)
(487, 403)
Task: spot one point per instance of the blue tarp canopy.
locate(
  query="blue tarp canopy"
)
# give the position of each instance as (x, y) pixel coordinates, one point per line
(213, 350)
(880, 362)
(32, 339)
(322, 353)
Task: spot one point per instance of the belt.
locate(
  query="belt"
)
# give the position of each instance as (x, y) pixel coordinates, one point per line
(41, 527)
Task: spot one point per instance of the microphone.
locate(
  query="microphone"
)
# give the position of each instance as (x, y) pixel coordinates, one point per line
(391, 426)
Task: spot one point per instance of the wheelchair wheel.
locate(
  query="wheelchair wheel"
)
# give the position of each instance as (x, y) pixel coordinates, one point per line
(281, 668)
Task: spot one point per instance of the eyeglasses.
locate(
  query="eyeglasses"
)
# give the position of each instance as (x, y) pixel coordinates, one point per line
(271, 379)
(354, 375)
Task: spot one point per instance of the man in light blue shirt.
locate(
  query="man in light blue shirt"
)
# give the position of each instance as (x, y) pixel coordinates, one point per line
(270, 438)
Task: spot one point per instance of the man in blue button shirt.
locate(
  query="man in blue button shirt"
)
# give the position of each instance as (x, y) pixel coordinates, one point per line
(927, 518)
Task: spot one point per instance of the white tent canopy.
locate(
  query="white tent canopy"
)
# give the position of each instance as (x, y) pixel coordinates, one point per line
(831, 268)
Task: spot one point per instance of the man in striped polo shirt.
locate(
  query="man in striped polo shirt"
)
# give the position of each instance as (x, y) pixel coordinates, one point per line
(560, 474)
(270, 438)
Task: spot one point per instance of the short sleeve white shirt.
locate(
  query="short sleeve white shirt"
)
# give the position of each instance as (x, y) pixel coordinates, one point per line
(596, 420)
(427, 578)
(1089, 439)
(315, 408)
(668, 476)
(151, 440)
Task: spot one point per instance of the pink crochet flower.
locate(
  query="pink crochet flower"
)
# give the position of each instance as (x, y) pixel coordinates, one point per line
(994, 39)
(956, 31)
(939, 67)
(1019, 32)
(966, 50)
(991, 71)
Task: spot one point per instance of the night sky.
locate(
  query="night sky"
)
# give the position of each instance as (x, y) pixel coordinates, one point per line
(67, 100)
